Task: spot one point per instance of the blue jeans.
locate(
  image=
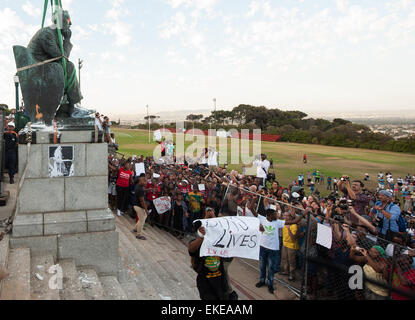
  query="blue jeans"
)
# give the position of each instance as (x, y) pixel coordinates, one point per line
(268, 259)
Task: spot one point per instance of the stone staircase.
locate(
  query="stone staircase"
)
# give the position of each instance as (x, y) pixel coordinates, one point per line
(156, 269)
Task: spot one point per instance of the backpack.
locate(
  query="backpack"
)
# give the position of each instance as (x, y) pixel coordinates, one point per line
(402, 224)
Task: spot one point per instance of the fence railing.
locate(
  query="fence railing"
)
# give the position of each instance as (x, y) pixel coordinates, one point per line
(357, 265)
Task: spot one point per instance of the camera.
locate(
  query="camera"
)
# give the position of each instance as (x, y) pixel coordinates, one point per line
(339, 218)
(378, 222)
(345, 178)
(343, 204)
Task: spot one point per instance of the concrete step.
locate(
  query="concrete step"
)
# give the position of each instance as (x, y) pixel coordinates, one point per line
(167, 269)
(145, 262)
(40, 277)
(72, 287)
(159, 237)
(171, 270)
(4, 256)
(91, 284)
(17, 285)
(177, 264)
(133, 270)
(112, 288)
(183, 261)
(131, 290)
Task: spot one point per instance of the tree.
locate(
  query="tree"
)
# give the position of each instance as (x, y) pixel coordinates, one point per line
(194, 117)
(152, 118)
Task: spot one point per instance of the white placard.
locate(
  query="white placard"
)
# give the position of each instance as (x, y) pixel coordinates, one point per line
(157, 135)
(155, 175)
(231, 237)
(202, 187)
(324, 236)
(162, 204)
(139, 169)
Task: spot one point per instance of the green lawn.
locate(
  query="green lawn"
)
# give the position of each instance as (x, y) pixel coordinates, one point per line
(288, 157)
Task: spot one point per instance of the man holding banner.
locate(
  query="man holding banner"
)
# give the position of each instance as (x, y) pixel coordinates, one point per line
(211, 279)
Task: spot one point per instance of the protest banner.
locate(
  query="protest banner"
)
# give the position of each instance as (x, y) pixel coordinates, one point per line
(231, 237)
(162, 204)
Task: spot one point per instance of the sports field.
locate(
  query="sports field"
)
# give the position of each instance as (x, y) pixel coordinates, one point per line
(288, 158)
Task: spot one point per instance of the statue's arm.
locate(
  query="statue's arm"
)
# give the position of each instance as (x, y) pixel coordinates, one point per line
(67, 47)
(50, 45)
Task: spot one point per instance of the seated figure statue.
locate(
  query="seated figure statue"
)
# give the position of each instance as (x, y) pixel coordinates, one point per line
(43, 85)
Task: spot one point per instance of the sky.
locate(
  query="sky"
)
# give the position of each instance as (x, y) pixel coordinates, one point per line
(317, 56)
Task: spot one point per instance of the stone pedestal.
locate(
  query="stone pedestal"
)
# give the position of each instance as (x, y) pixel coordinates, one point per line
(67, 216)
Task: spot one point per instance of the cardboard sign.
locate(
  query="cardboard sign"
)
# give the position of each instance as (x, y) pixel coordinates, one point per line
(202, 187)
(139, 168)
(162, 204)
(231, 237)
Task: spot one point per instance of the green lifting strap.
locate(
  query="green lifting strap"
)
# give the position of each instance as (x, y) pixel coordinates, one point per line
(56, 7)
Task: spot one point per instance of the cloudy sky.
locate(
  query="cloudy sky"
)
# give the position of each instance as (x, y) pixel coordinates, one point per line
(312, 55)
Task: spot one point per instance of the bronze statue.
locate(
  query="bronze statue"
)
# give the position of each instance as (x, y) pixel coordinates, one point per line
(47, 93)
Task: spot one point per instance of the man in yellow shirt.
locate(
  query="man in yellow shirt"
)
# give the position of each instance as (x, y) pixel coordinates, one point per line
(290, 247)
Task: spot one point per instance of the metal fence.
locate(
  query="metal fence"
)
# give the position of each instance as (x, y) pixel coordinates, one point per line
(356, 266)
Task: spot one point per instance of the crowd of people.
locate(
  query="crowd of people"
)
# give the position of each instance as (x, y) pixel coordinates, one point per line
(371, 229)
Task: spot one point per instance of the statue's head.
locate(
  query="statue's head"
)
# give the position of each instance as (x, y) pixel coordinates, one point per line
(64, 20)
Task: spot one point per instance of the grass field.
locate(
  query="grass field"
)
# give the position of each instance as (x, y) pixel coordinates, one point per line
(334, 161)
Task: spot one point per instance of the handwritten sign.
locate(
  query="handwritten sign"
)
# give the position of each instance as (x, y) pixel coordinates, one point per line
(202, 187)
(162, 204)
(231, 237)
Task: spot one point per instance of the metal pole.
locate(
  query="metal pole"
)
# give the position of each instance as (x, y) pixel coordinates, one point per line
(305, 263)
(216, 124)
(17, 95)
(79, 72)
(148, 119)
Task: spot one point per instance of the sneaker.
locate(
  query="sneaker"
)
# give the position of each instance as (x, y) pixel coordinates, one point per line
(119, 213)
(271, 289)
(141, 238)
(291, 278)
(134, 231)
(260, 284)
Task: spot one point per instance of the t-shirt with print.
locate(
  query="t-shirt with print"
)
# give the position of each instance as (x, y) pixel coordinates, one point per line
(195, 200)
(211, 280)
(269, 238)
(124, 178)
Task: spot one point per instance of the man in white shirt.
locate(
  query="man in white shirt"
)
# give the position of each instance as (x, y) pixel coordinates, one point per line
(269, 246)
(262, 168)
(98, 121)
(213, 159)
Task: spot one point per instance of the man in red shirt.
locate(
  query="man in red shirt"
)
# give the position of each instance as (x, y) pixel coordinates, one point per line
(125, 178)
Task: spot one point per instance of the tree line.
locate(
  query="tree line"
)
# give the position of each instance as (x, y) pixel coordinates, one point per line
(295, 126)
